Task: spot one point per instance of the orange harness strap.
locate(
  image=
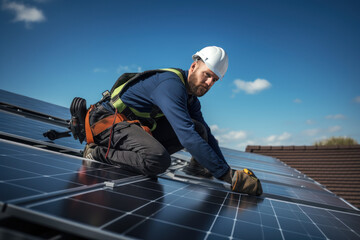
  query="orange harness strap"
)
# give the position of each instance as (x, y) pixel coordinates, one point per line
(104, 124)
(89, 136)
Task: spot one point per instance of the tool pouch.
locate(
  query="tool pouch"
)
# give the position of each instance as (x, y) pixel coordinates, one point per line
(245, 181)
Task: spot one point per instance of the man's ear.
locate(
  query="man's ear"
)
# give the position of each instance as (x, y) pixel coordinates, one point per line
(192, 67)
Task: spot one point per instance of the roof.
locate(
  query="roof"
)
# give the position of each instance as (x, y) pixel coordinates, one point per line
(48, 191)
(335, 167)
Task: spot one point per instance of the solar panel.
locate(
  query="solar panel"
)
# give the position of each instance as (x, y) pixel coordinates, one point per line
(233, 153)
(55, 190)
(292, 189)
(29, 128)
(34, 104)
(165, 209)
(31, 172)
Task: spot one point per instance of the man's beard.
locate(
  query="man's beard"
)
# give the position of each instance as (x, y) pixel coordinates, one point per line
(197, 90)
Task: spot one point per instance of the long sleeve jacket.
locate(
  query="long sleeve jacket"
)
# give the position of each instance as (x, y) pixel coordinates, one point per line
(166, 91)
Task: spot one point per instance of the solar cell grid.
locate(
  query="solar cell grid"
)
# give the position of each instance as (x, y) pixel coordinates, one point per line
(316, 222)
(302, 195)
(190, 209)
(29, 172)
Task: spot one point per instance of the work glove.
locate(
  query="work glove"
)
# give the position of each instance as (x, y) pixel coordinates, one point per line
(245, 181)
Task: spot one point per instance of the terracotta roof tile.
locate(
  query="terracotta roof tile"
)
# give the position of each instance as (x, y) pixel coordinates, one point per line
(335, 167)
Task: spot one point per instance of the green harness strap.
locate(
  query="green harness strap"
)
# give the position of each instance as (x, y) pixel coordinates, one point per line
(117, 92)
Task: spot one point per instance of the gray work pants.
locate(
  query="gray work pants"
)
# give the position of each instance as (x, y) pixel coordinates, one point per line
(136, 150)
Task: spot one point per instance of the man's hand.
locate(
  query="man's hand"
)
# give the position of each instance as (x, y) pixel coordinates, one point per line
(245, 181)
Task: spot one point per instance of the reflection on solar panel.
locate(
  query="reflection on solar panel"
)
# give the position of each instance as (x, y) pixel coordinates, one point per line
(55, 194)
(18, 125)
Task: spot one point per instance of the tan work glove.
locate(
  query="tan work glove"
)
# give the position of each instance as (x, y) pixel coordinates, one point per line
(245, 181)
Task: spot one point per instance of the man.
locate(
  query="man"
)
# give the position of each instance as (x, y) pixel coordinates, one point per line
(166, 101)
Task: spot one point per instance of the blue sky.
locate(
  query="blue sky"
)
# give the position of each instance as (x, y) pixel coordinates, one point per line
(293, 75)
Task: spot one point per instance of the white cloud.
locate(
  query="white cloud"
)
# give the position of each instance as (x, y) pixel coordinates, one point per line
(240, 139)
(251, 87)
(297, 100)
(321, 131)
(23, 13)
(337, 116)
(232, 136)
(226, 136)
(277, 139)
(131, 68)
(214, 128)
(334, 129)
(242, 146)
(310, 122)
(99, 70)
(284, 136)
(311, 132)
(357, 99)
(270, 138)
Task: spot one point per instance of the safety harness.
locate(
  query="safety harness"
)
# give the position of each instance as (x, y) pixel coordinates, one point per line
(124, 81)
(106, 123)
(122, 112)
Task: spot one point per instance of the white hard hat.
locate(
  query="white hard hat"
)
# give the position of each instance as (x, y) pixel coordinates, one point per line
(215, 59)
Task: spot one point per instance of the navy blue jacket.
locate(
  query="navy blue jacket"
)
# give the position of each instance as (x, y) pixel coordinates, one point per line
(166, 91)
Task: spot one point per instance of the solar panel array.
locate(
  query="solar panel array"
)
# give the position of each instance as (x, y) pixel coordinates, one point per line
(56, 190)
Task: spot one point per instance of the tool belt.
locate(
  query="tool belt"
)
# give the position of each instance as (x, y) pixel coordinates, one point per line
(106, 123)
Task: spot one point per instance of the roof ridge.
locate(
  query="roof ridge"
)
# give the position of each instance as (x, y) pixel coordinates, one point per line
(302, 147)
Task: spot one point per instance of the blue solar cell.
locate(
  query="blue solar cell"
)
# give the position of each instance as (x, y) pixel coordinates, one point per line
(76, 211)
(29, 172)
(34, 104)
(234, 155)
(289, 180)
(45, 184)
(33, 129)
(278, 168)
(11, 192)
(8, 173)
(300, 194)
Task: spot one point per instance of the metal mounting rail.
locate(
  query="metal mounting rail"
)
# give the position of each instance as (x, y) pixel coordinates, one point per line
(40, 144)
(34, 115)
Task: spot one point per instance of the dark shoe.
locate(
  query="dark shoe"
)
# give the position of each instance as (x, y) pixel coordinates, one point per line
(89, 151)
(195, 169)
(78, 113)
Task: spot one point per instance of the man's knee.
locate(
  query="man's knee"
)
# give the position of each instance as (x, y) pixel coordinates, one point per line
(156, 162)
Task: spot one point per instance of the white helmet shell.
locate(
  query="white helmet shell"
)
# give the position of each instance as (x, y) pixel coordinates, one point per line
(215, 59)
